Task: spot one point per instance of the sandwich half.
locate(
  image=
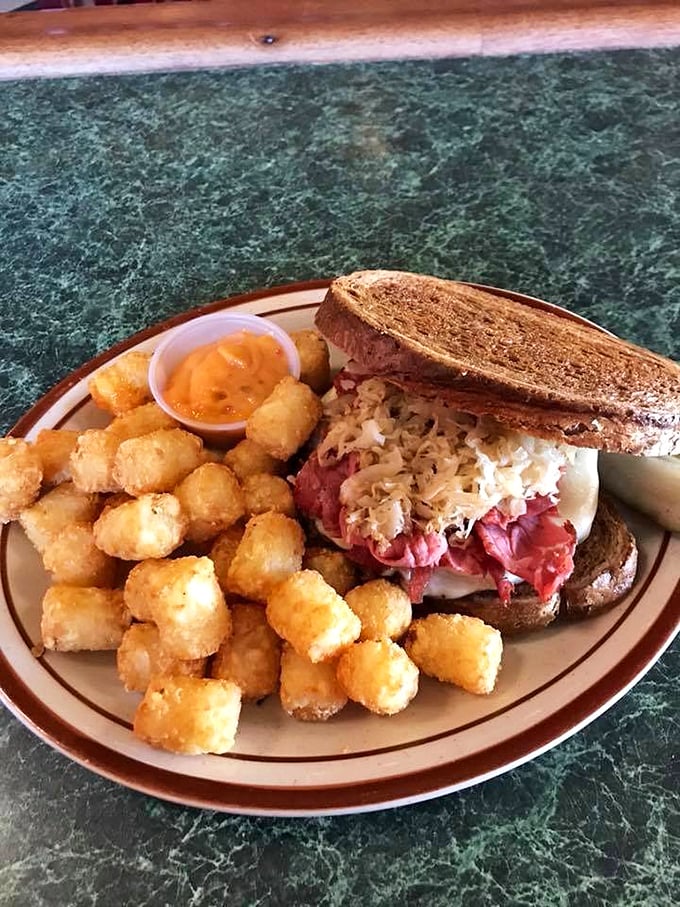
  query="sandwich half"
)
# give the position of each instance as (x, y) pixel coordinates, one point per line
(459, 447)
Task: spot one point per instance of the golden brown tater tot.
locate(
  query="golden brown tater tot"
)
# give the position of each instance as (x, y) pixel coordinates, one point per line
(251, 655)
(310, 615)
(315, 369)
(212, 499)
(72, 558)
(123, 384)
(223, 550)
(383, 608)
(78, 619)
(189, 714)
(54, 511)
(140, 656)
(93, 459)
(263, 493)
(248, 459)
(309, 691)
(20, 477)
(188, 607)
(286, 419)
(152, 525)
(141, 420)
(379, 675)
(456, 649)
(55, 446)
(270, 550)
(157, 462)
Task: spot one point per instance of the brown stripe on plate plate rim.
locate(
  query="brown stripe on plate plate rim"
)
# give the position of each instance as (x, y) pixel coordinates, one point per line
(240, 798)
(339, 757)
(232, 797)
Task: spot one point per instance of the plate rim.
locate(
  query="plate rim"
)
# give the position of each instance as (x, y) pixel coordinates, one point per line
(334, 798)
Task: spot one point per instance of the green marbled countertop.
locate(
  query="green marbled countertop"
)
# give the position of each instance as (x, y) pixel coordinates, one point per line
(125, 200)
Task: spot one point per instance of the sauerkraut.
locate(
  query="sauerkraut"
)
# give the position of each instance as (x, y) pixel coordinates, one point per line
(422, 465)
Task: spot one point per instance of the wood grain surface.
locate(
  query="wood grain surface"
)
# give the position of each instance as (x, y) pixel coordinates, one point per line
(221, 33)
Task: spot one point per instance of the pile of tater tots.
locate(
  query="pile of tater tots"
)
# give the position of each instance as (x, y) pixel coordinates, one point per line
(191, 564)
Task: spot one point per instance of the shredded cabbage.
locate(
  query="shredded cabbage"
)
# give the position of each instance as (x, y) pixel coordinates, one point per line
(423, 465)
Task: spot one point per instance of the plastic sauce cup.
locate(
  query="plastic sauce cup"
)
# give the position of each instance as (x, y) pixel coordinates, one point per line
(182, 340)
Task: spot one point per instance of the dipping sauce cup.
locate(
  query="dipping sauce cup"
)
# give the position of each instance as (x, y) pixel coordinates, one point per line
(181, 341)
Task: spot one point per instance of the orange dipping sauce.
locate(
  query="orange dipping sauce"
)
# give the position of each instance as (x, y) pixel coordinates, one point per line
(227, 380)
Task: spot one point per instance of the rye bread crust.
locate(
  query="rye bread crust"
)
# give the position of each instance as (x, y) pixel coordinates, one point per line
(605, 565)
(486, 354)
(525, 612)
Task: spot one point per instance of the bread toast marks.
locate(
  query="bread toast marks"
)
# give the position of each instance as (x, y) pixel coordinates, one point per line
(568, 380)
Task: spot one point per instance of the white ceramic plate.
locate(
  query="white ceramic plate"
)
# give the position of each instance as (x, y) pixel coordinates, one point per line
(552, 683)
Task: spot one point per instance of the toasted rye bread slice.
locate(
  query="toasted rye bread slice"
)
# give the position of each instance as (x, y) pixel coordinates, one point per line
(605, 565)
(485, 353)
(524, 613)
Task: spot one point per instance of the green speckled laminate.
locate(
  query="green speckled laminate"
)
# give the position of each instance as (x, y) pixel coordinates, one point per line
(125, 200)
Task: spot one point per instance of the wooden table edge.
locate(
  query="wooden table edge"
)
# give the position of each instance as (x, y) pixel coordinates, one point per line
(219, 33)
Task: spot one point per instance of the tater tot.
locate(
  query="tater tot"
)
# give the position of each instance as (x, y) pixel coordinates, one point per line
(54, 511)
(338, 571)
(251, 655)
(122, 385)
(212, 456)
(150, 526)
(20, 477)
(156, 462)
(78, 619)
(54, 447)
(111, 501)
(73, 559)
(383, 608)
(270, 550)
(223, 551)
(315, 368)
(189, 715)
(286, 419)
(143, 585)
(263, 492)
(92, 461)
(379, 675)
(309, 691)
(212, 499)
(189, 608)
(310, 615)
(248, 459)
(456, 649)
(141, 420)
(140, 656)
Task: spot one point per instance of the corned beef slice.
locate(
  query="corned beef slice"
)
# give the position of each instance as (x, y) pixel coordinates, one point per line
(468, 557)
(317, 490)
(408, 551)
(537, 546)
(418, 579)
